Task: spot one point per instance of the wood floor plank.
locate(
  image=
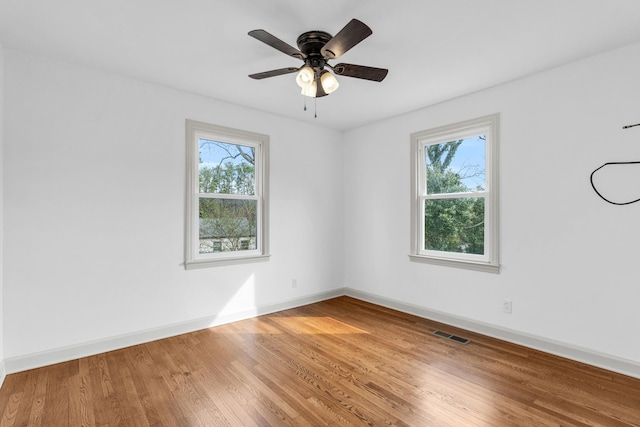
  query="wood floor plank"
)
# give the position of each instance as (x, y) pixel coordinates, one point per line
(341, 362)
(177, 372)
(80, 402)
(57, 393)
(155, 396)
(11, 410)
(125, 393)
(39, 399)
(28, 389)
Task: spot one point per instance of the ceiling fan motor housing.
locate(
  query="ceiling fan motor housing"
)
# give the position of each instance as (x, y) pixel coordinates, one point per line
(310, 44)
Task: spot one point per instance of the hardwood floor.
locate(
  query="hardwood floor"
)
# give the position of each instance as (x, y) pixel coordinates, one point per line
(338, 362)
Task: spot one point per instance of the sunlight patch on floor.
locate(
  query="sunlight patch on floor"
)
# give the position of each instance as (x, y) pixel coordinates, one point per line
(316, 325)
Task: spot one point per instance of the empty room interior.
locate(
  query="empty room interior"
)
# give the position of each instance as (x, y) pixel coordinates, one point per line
(437, 225)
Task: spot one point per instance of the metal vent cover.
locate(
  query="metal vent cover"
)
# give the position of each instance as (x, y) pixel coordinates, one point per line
(452, 337)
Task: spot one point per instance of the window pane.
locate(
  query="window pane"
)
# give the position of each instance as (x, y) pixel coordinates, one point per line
(456, 166)
(226, 168)
(454, 225)
(227, 225)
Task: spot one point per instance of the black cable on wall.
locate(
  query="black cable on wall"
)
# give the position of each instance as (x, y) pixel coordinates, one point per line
(614, 163)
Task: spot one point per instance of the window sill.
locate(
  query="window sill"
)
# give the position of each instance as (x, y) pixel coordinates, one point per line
(206, 263)
(468, 265)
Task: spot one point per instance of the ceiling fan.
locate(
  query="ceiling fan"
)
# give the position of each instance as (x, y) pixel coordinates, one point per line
(316, 49)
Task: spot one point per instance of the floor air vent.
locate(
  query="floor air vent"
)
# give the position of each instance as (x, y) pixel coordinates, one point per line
(452, 337)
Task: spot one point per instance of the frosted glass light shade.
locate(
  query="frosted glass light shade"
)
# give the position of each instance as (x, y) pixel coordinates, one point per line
(310, 90)
(329, 82)
(305, 77)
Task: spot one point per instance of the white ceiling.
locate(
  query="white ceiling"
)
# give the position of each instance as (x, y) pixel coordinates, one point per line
(435, 50)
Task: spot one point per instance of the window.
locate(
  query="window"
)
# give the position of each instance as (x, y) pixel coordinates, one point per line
(227, 204)
(454, 209)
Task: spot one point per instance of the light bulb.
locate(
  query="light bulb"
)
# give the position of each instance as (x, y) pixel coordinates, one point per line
(329, 82)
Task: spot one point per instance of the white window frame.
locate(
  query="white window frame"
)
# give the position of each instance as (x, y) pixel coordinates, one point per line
(488, 126)
(194, 131)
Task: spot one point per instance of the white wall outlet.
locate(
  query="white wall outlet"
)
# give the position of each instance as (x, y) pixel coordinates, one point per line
(507, 306)
(294, 283)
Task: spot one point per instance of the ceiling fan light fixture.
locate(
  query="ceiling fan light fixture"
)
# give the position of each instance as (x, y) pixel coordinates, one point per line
(329, 82)
(306, 77)
(315, 49)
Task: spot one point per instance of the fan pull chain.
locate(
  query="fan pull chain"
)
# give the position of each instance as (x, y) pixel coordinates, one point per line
(315, 107)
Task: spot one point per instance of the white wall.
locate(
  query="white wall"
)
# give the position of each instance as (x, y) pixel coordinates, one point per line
(94, 209)
(569, 260)
(2, 367)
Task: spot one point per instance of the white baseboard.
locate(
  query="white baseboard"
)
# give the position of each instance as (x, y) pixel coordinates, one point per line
(587, 356)
(63, 354)
(612, 363)
(3, 372)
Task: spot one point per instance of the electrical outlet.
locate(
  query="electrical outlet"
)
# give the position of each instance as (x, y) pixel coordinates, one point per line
(294, 283)
(507, 306)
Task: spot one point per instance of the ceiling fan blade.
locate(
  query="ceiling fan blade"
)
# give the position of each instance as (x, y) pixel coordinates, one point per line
(273, 73)
(352, 34)
(361, 72)
(276, 43)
